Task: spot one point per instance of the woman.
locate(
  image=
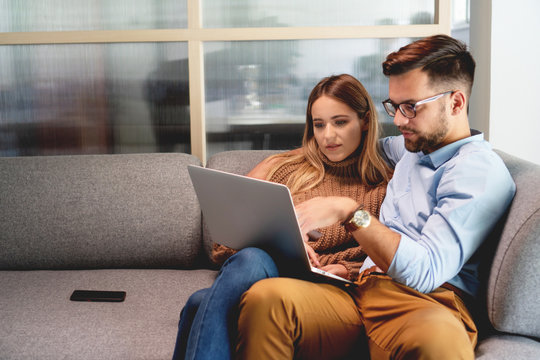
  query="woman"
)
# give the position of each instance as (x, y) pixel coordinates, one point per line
(338, 157)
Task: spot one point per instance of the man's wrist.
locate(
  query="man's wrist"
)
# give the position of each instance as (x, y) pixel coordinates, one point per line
(347, 209)
(359, 218)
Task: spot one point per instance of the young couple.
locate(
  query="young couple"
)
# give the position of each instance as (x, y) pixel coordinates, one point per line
(420, 275)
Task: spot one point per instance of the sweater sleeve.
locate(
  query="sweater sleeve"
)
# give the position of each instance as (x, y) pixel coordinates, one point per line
(220, 253)
(374, 199)
(353, 269)
(336, 246)
(351, 258)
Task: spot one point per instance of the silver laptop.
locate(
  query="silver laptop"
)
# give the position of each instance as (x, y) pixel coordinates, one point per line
(241, 212)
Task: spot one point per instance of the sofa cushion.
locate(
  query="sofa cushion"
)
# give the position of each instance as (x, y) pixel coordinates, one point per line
(98, 211)
(514, 281)
(507, 347)
(237, 162)
(40, 322)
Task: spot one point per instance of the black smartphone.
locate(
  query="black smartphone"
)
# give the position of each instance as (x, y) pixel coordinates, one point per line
(95, 295)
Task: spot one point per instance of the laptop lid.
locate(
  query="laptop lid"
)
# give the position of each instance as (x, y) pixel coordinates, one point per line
(240, 212)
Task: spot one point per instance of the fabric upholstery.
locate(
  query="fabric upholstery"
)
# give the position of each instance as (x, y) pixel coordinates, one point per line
(98, 211)
(504, 347)
(512, 292)
(40, 322)
(132, 222)
(238, 161)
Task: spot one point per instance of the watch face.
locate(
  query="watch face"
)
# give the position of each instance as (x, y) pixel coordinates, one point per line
(361, 218)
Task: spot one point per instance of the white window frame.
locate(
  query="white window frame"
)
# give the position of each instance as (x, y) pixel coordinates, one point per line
(195, 35)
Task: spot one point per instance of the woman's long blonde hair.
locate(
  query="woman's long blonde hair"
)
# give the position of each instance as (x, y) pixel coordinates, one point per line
(371, 166)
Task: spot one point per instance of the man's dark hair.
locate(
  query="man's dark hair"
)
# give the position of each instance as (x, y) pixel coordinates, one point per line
(442, 57)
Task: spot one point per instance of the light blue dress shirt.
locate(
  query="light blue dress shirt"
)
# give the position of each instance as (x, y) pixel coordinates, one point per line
(444, 205)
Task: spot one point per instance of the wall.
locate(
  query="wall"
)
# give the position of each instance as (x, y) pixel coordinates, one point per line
(507, 93)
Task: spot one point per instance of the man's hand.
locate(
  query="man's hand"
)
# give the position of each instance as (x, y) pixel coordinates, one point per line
(378, 241)
(323, 211)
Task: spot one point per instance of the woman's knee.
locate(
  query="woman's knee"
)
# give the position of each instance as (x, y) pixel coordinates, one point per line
(195, 300)
(255, 261)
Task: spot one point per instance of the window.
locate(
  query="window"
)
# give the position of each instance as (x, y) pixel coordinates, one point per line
(195, 76)
(257, 91)
(94, 98)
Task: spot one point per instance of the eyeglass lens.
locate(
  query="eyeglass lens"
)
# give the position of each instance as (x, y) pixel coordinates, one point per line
(406, 109)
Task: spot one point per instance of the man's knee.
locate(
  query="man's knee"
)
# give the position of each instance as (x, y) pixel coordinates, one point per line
(270, 306)
(281, 317)
(443, 339)
(265, 297)
(263, 325)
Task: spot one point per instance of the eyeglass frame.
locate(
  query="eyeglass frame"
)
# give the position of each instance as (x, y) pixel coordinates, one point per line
(413, 106)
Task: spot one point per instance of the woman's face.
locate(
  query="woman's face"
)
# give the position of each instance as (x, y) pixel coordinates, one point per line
(336, 127)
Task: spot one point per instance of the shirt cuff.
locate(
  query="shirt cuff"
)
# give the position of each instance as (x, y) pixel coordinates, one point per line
(408, 264)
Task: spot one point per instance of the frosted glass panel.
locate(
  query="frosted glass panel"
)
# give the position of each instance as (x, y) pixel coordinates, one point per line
(256, 92)
(284, 13)
(94, 98)
(73, 15)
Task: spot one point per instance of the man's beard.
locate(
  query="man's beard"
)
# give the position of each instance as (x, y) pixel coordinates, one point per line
(427, 143)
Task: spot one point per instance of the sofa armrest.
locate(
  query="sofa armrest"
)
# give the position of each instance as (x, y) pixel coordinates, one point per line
(513, 290)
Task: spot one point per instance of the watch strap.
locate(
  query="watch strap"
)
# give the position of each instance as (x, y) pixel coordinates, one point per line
(347, 224)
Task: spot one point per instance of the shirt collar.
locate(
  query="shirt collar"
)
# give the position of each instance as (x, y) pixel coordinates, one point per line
(442, 155)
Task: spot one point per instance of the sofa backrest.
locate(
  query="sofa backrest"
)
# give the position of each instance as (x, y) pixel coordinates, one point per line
(98, 211)
(513, 289)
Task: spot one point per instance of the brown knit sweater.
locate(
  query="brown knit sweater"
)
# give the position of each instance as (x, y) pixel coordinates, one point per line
(335, 246)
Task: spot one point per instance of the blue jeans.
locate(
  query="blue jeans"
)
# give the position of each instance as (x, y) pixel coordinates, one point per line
(208, 321)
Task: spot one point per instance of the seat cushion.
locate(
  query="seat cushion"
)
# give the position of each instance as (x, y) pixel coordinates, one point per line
(508, 347)
(40, 322)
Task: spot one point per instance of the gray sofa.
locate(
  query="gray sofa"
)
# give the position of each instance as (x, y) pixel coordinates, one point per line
(133, 223)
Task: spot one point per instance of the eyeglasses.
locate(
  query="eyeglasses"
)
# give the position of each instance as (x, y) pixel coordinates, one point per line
(409, 110)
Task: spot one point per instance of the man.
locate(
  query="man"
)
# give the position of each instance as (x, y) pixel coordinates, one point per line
(449, 189)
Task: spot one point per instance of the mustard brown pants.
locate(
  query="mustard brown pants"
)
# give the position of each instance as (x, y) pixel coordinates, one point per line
(283, 318)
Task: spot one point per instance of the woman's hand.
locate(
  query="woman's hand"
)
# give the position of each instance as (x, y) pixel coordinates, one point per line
(336, 269)
(313, 256)
(323, 211)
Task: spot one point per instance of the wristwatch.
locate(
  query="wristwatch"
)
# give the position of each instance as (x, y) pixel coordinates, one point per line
(360, 218)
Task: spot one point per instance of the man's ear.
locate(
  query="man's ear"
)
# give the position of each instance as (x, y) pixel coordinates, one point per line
(459, 101)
